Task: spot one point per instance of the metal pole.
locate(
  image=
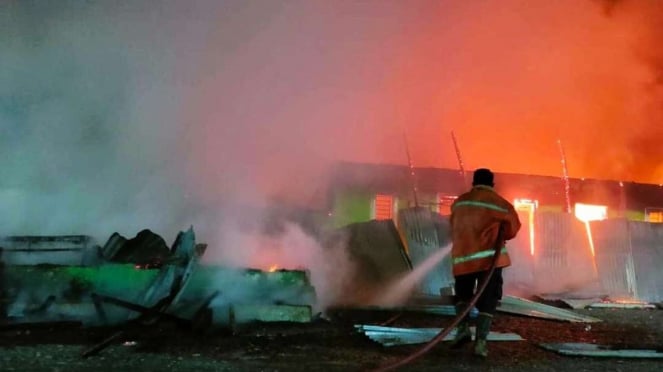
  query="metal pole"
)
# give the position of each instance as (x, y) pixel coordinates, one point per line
(565, 173)
(412, 173)
(460, 159)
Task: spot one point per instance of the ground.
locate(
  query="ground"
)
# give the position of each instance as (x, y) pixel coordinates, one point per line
(328, 345)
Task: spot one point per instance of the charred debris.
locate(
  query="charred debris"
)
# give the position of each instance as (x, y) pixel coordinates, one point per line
(126, 282)
(71, 279)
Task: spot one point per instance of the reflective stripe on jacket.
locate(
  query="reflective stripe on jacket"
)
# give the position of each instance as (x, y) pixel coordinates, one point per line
(475, 221)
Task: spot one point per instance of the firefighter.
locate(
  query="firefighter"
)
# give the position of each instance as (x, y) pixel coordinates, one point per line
(476, 217)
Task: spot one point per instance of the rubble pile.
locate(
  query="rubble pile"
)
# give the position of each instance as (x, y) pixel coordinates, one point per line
(127, 279)
(141, 280)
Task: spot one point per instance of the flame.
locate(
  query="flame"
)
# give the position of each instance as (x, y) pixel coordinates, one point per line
(590, 212)
(531, 232)
(587, 213)
(273, 268)
(528, 206)
(589, 237)
(588, 228)
(627, 301)
(654, 215)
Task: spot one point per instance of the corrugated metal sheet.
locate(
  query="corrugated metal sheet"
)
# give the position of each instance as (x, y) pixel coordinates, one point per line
(605, 351)
(520, 275)
(379, 255)
(145, 247)
(55, 250)
(418, 228)
(647, 252)
(626, 261)
(614, 258)
(114, 243)
(392, 336)
(521, 306)
(563, 260)
(555, 230)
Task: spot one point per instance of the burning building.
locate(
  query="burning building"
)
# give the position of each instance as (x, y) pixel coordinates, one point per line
(595, 238)
(360, 192)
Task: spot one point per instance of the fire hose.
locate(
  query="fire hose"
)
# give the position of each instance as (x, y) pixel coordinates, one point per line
(459, 317)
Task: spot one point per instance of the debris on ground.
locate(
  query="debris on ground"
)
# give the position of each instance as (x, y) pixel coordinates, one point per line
(508, 305)
(521, 306)
(146, 249)
(393, 336)
(153, 281)
(604, 351)
(578, 304)
(622, 305)
(444, 310)
(128, 291)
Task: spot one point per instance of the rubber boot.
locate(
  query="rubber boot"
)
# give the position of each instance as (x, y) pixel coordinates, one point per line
(463, 333)
(484, 321)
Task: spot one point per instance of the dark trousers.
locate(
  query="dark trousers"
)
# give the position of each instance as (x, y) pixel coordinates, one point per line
(466, 285)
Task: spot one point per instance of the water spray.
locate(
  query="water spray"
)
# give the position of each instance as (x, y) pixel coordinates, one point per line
(459, 317)
(398, 292)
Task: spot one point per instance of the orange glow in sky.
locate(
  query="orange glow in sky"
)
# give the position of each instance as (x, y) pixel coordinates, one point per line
(280, 100)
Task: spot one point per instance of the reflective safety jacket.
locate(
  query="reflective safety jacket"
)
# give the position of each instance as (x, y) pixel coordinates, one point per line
(475, 222)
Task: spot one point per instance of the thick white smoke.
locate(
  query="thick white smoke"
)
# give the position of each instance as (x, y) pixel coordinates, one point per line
(120, 116)
(291, 248)
(93, 137)
(101, 130)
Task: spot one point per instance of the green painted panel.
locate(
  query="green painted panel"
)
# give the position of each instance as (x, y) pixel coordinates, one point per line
(119, 280)
(355, 206)
(352, 207)
(113, 277)
(635, 215)
(73, 283)
(271, 313)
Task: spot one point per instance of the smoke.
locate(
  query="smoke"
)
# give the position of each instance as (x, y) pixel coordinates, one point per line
(136, 113)
(646, 140)
(291, 248)
(120, 116)
(528, 74)
(306, 84)
(399, 292)
(90, 121)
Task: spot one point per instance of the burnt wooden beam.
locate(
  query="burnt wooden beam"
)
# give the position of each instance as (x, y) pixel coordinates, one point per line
(94, 350)
(146, 312)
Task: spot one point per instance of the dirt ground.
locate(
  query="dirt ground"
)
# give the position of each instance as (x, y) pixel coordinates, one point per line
(329, 345)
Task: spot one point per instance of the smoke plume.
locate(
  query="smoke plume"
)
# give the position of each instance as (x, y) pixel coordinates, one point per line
(119, 116)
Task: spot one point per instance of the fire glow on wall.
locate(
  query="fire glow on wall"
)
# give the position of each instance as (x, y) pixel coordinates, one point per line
(528, 206)
(654, 215)
(587, 213)
(590, 212)
(383, 207)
